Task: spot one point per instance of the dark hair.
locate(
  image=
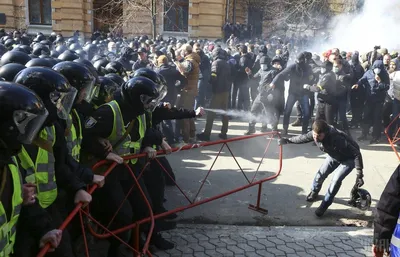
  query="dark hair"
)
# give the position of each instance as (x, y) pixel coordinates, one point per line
(251, 47)
(320, 126)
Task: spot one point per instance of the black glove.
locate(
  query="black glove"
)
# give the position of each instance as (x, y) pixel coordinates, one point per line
(359, 180)
(283, 141)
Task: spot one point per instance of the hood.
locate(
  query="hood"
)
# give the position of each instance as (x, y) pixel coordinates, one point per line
(263, 49)
(355, 59)
(218, 53)
(397, 62)
(378, 64)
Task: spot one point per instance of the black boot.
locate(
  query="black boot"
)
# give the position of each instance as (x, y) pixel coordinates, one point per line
(264, 129)
(321, 209)
(164, 225)
(312, 196)
(162, 244)
(251, 130)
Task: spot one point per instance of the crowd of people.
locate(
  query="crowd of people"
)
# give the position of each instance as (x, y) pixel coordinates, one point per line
(67, 103)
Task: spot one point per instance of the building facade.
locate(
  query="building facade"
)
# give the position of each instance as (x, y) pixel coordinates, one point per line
(180, 18)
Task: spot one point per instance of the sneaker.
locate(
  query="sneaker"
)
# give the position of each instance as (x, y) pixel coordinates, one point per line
(321, 209)
(264, 129)
(192, 140)
(297, 123)
(162, 244)
(223, 136)
(284, 133)
(203, 137)
(171, 216)
(312, 196)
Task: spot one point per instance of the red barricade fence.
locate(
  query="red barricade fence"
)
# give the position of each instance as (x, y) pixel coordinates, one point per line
(191, 202)
(392, 133)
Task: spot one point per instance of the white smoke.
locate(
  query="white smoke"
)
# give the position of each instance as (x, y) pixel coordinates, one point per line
(376, 25)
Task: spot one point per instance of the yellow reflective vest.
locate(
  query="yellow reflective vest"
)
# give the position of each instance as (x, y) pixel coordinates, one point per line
(42, 171)
(74, 135)
(8, 227)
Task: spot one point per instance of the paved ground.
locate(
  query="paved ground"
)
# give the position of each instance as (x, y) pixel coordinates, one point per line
(284, 196)
(216, 240)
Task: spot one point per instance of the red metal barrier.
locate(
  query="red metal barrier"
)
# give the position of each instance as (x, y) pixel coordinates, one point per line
(192, 203)
(395, 138)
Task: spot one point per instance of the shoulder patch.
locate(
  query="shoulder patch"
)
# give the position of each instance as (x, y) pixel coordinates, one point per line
(90, 122)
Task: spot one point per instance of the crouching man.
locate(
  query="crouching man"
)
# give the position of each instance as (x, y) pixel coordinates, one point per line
(343, 156)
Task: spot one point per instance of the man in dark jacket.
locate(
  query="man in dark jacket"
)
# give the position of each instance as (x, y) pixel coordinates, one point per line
(357, 96)
(220, 82)
(299, 74)
(126, 58)
(268, 101)
(204, 76)
(343, 156)
(386, 221)
(376, 83)
(242, 79)
(143, 61)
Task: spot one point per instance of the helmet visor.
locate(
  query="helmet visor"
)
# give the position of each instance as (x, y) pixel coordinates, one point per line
(28, 124)
(151, 103)
(87, 92)
(63, 102)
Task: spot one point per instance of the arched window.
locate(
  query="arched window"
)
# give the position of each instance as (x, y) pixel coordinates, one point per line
(40, 12)
(176, 15)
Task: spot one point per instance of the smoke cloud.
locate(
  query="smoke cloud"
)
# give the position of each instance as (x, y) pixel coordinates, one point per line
(376, 24)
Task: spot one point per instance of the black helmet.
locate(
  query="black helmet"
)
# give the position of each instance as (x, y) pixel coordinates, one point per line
(15, 57)
(79, 77)
(32, 56)
(54, 53)
(9, 44)
(88, 65)
(68, 56)
(142, 94)
(99, 65)
(39, 62)
(116, 78)
(360, 198)
(20, 120)
(105, 92)
(115, 67)
(75, 46)
(97, 57)
(61, 48)
(81, 53)
(52, 87)
(23, 48)
(39, 49)
(8, 71)
(91, 50)
(3, 50)
(148, 73)
(53, 61)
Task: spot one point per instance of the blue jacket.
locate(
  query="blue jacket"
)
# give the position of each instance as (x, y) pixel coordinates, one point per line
(375, 91)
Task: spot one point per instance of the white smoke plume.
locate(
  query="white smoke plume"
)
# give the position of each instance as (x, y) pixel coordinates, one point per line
(376, 25)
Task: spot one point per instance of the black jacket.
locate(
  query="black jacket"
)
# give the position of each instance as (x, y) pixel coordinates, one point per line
(171, 75)
(126, 63)
(336, 144)
(103, 123)
(387, 211)
(220, 73)
(244, 62)
(327, 84)
(205, 66)
(298, 76)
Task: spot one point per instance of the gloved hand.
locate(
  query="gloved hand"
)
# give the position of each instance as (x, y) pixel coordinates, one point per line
(359, 180)
(283, 141)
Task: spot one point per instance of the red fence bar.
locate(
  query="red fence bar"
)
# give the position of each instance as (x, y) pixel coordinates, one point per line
(393, 139)
(135, 226)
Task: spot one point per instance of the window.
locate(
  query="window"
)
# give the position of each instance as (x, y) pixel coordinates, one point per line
(40, 12)
(176, 15)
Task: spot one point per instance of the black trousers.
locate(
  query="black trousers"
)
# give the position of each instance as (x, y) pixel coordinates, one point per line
(270, 113)
(373, 117)
(357, 101)
(387, 111)
(326, 112)
(26, 245)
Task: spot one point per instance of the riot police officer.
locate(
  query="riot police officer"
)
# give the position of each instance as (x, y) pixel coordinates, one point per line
(21, 122)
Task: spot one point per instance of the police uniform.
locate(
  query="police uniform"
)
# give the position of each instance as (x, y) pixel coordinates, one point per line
(50, 172)
(110, 121)
(10, 205)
